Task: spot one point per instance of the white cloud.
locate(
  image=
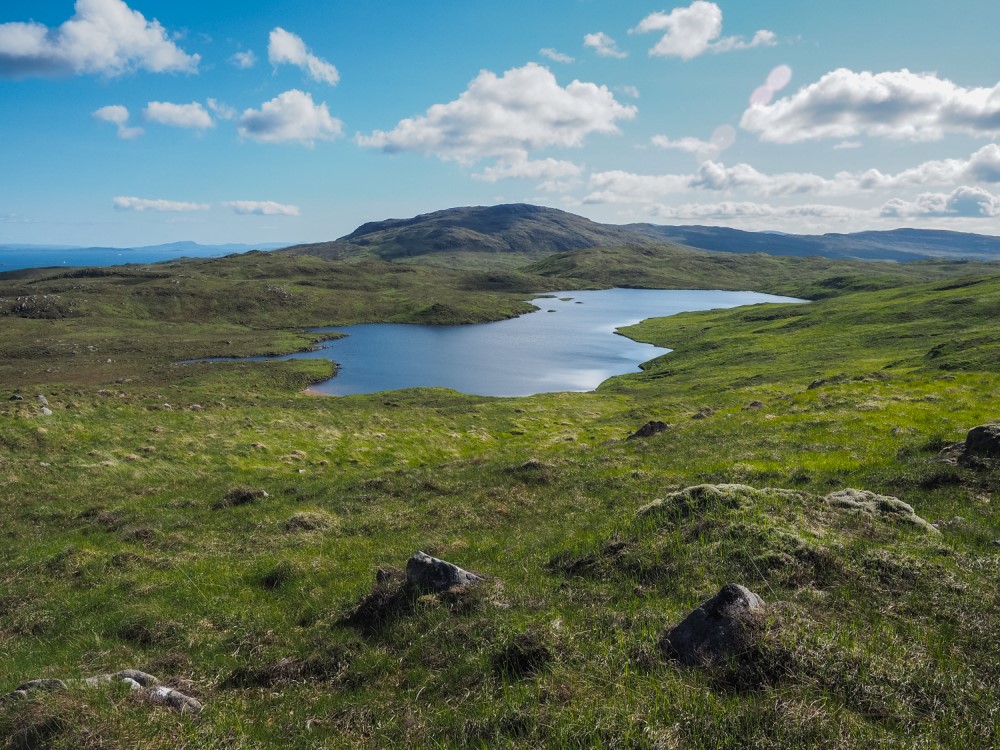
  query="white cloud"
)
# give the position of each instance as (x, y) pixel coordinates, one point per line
(290, 117)
(603, 45)
(104, 36)
(983, 166)
(752, 209)
(722, 138)
(222, 111)
(962, 202)
(507, 116)
(286, 47)
(262, 208)
(695, 30)
(896, 104)
(191, 115)
(556, 55)
(131, 203)
(244, 59)
(118, 115)
(629, 90)
(538, 169)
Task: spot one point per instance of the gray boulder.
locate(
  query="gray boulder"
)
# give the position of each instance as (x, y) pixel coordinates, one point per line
(174, 699)
(721, 629)
(983, 441)
(427, 573)
(42, 400)
(648, 430)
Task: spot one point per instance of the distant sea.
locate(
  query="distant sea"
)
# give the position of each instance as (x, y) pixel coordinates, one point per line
(15, 257)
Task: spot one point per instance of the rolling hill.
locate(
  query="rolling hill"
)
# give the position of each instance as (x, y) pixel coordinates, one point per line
(515, 234)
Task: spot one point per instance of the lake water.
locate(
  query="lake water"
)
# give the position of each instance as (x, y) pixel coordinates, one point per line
(569, 345)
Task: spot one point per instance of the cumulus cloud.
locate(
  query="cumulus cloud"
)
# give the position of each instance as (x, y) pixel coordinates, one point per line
(290, 117)
(119, 116)
(556, 55)
(507, 116)
(262, 208)
(896, 104)
(603, 45)
(131, 203)
(983, 166)
(695, 30)
(722, 138)
(103, 36)
(535, 169)
(286, 47)
(962, 202)
(629, 90)
(244, 59)
(192, 116)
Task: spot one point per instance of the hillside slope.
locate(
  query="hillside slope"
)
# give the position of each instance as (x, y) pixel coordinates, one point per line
(529, 232)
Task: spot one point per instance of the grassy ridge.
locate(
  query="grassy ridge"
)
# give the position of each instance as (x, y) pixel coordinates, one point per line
(880, 634)
(671, 267)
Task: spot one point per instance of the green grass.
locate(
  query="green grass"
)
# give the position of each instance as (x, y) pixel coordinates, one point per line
(120, 554)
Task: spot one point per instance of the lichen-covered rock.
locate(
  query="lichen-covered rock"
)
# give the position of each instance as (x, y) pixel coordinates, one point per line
(427, 573)
(720, 629)
(884, 506)
(174, 699)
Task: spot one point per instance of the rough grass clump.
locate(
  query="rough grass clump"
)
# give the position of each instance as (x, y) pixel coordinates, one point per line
(241, 495)
(310, 521)
(523, 655)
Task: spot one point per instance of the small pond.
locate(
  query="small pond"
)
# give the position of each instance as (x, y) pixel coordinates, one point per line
(570, 344)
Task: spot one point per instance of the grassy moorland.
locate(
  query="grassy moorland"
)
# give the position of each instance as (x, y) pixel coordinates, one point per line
(125, 545)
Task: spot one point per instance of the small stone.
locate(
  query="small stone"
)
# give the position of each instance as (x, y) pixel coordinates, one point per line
(431, 574)
(46, 411)
(174, 699)
(143, 678)
(42, 400)
(16, 397)
(754, 405)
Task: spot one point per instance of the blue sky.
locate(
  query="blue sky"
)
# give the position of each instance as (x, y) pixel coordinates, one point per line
(131, 122)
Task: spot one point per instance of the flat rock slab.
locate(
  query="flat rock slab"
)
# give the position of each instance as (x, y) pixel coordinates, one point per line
(428, 573)
(886, 506)
(718, 630)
